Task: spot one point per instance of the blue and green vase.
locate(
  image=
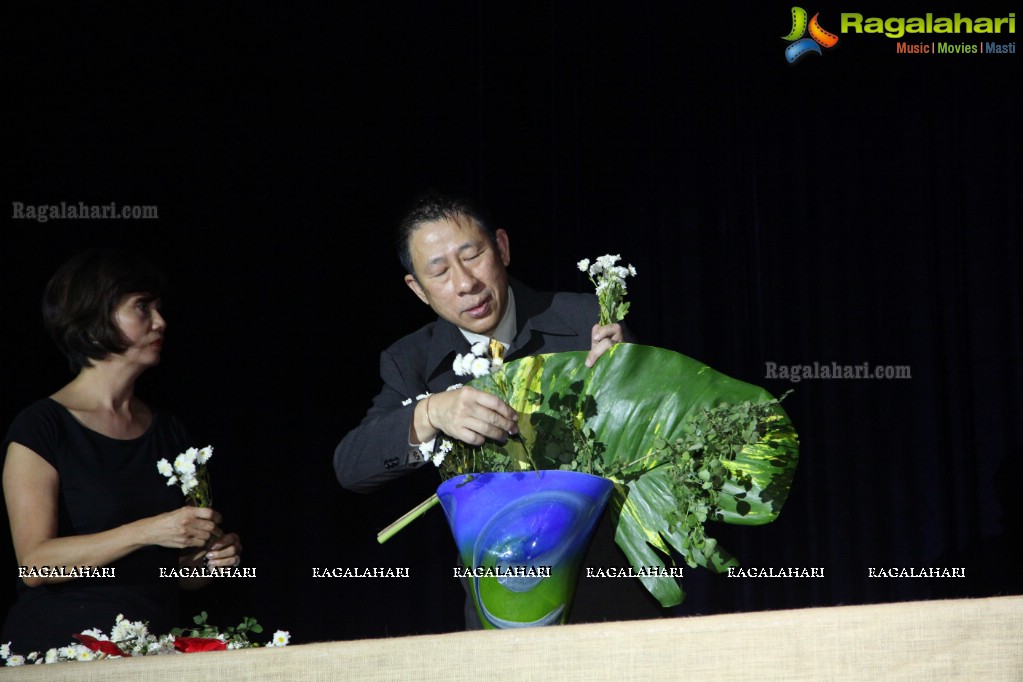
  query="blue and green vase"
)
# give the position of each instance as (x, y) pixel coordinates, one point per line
(523, 536)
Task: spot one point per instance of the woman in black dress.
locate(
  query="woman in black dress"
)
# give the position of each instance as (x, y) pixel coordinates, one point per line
(80, 478)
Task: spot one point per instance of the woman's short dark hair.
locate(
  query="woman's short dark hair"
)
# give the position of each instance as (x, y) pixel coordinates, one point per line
(81, 297)
(432, 206)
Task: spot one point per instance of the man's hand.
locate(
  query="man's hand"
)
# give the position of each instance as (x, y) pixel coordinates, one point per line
(603, 337)
(467, 414)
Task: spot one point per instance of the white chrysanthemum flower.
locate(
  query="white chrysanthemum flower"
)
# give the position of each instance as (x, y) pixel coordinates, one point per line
(67, 652)
(496, 363)
(83, 654)
(584, 264)
(632, 270)
(189, 484)
(622, 272)
(454, 387)
(204, 454)
(406, 402)
(438, 459)
(479, 349)
(234, 645)
(281, 638)
(51, 656)
(480, 367)
(125, 629)
(15, 660)
(184, 464)
(94, 632)
(609, 260)
(459, 364)
(164, 467)
(32, 656)
(426, 449)
(5, 650)
(172, 480)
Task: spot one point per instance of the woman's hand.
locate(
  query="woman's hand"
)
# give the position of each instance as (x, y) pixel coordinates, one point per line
(225, 552)
(185, 527)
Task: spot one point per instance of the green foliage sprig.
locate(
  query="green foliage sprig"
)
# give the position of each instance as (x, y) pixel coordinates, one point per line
(699, 468)
(238, 635)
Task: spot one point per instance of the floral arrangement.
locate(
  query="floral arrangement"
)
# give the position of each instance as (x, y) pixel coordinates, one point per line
(683, 444)
(609, 280)
(190, 474)
(132, 638)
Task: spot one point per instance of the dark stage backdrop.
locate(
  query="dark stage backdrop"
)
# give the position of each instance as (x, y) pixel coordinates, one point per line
(859, 206)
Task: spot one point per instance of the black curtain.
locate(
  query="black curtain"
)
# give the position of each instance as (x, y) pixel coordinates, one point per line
(859, 206)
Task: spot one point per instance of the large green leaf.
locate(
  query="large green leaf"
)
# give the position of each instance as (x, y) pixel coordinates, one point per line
(634, 399)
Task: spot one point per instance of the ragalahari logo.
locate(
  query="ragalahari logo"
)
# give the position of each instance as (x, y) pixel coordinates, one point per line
(802, 46)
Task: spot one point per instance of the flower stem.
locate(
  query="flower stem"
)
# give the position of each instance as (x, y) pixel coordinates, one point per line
(410, 516)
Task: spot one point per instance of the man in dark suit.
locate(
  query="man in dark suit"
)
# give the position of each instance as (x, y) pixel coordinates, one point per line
(457, 264)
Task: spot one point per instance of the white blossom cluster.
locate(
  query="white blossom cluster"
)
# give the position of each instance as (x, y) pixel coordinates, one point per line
(604, 271)
(477, 362)
(131, 637)
(185, 471)
(609, 279)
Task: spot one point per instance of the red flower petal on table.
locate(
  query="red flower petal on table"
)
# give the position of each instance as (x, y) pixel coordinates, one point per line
(191, 645)
(101, 645)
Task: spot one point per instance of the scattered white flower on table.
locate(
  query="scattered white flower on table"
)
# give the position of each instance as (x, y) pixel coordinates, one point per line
(281, 638)
(15, 660)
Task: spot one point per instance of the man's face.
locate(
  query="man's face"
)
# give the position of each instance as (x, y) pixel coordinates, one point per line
(461, 274)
